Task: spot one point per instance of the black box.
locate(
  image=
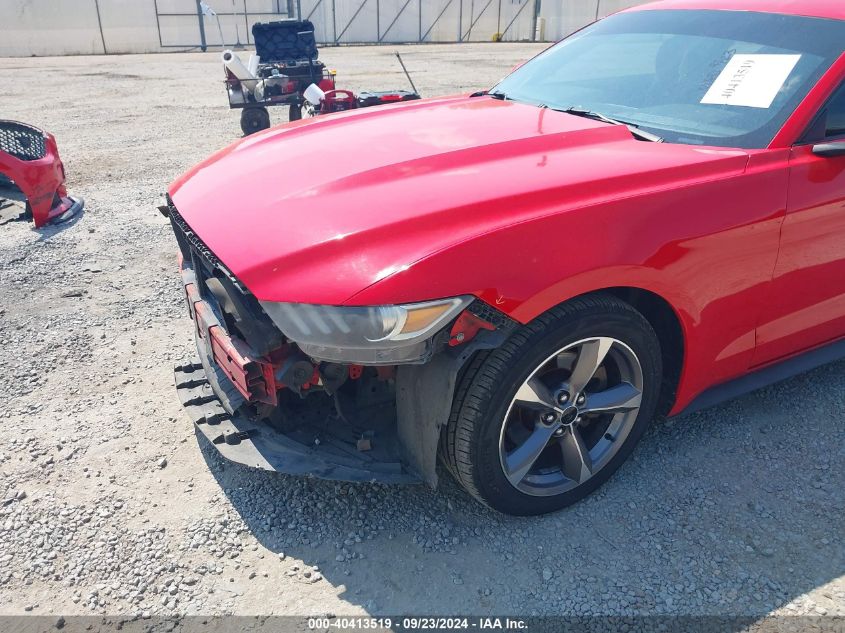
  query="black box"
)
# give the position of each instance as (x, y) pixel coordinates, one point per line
(285, 41)
(366, 99)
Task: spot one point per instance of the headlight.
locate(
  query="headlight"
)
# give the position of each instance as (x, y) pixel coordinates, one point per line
(372, 335)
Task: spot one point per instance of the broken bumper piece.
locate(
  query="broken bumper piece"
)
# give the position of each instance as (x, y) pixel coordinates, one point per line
(67, 208)
(242, 439)
(32, 172)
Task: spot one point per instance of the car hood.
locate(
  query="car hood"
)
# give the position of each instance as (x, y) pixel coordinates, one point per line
(318, 210)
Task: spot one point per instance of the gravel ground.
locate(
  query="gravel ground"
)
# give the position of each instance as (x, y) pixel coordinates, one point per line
(109, 505)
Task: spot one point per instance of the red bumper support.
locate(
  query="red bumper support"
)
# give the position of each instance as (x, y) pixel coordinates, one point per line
(252, 376)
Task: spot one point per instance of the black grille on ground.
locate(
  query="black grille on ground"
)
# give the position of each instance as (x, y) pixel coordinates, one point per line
(22, 141)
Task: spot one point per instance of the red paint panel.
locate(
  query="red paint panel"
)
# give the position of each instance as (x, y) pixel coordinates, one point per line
(834, 9)
(807, 304)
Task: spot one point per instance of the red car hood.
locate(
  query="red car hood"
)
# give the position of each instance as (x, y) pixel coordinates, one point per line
(318, 210)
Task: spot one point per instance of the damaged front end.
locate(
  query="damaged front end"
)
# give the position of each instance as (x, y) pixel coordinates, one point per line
(316, 406)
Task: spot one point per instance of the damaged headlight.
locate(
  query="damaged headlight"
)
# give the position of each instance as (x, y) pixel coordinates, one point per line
(371, 335)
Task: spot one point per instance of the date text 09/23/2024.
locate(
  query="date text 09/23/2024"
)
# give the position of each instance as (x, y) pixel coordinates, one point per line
(418, 623)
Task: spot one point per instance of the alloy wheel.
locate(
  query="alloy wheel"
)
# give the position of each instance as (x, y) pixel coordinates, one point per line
(571, 416)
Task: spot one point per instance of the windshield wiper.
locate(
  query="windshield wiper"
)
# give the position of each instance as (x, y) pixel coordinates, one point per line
(498, 95)
(598, 116)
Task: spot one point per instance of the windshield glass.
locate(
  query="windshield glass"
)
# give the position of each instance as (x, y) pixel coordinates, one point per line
(724, 78)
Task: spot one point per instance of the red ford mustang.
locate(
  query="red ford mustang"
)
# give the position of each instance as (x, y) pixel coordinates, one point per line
(644, 219)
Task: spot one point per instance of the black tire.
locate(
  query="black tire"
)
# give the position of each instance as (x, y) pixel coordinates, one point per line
(254, 120)
(295, 112)
(470, 443)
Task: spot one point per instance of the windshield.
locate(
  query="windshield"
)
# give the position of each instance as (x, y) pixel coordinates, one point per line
(723, 78)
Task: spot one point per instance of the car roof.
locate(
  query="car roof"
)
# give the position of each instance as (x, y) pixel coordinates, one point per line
(832, 9)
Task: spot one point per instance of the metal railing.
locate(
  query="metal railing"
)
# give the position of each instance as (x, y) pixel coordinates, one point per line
(377, 21)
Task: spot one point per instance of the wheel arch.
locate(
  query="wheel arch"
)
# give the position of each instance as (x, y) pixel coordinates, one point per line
(670, 332)
(429, 380)
(669, 327)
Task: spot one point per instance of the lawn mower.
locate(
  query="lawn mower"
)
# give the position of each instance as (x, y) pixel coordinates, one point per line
(284, 64)
(32, 173)
(280, 71)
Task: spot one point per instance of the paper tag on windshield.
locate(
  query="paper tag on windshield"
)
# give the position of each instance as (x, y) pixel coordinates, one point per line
(751, 80)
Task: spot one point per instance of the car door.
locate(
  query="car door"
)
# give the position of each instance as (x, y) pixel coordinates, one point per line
(808, 300)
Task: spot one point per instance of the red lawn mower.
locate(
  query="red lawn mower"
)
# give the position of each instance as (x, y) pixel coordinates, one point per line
(32, 173)
(318, 101)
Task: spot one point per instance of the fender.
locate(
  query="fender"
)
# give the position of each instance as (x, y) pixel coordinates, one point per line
(713, 236)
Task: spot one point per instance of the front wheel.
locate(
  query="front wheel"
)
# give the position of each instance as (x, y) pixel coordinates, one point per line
(544, 420)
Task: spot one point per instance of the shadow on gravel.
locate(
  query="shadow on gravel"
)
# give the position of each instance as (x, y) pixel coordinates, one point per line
(733, 511)
(46, 233)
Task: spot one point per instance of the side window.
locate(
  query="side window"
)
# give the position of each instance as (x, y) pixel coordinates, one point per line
(829, 122)
(835, 124)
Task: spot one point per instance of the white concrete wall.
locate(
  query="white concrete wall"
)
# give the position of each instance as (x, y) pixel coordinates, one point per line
(72, 27)
(48, 27)
(128, 25)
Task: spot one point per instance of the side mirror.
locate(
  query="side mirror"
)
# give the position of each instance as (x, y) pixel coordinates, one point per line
(829, 150)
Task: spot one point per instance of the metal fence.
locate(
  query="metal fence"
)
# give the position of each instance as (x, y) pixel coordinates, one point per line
(192, 23)
(47, 27)
(376, 21)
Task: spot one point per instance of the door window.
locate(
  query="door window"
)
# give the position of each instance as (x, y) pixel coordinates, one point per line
(835, 119)
(829, 124)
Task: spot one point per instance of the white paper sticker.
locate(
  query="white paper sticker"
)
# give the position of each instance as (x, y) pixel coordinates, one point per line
(751, 80)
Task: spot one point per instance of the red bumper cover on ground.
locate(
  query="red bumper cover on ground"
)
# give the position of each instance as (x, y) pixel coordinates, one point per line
(29, 160)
